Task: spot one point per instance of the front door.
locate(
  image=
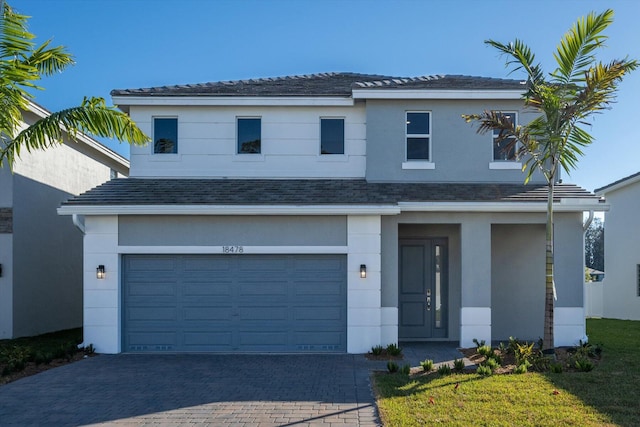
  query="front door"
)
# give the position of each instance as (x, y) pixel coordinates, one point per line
(422, 299)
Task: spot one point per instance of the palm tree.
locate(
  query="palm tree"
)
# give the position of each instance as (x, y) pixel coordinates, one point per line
(577, 89)
(22, 63)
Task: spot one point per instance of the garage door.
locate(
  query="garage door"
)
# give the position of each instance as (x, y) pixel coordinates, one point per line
(235, 303)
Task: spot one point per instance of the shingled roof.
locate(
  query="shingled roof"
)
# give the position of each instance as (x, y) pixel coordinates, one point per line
(148, 191)
(323, 84)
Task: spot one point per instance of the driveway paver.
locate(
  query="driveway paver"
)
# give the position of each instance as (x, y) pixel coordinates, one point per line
(200, 389)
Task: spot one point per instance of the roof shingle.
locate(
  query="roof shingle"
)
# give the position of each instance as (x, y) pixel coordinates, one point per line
(322, 84)
(147, 191)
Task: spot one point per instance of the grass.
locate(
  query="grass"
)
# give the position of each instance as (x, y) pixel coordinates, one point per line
(606, 396)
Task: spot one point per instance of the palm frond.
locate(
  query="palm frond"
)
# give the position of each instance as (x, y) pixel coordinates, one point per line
(574, 54)
(93, 117)
(49, 61)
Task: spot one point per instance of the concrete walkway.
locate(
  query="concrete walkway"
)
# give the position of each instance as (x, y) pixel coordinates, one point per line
(203, 389)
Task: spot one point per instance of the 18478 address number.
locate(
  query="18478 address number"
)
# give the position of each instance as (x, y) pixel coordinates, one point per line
(232, 249)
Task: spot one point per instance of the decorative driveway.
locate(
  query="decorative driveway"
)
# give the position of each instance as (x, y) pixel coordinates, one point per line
(201, 389)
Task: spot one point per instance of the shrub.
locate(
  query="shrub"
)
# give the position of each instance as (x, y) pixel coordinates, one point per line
(584, 365)
(405, 370)
(478, 343)
(90, 349)
(15, 358)
(485, 350)
(491, 364)
(375, 350)
(556, 368)
(523, 352)
(394, 350)
(392, 367)
(444, 369)
(483, 370)
(427, 365)
(458, 365)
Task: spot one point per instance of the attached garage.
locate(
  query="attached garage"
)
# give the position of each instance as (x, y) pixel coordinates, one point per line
(234, 303)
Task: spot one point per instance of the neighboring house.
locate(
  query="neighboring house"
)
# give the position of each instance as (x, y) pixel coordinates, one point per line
(40, 252)
(328, 212)
(621, 285)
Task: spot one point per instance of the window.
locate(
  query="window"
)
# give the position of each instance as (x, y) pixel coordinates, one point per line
(505, 149)
(249, 135)
(331, 136)
(165, 135)
(418, 133)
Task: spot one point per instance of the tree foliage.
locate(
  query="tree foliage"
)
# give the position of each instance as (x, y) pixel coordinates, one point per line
(564, 100)
(22, 64)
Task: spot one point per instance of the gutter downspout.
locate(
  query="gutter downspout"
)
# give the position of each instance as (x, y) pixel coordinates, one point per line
(78, 221)
(587, 224)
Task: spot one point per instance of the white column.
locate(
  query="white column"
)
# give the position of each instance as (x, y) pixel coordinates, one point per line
(475, 313)
(363, 295)
(102, 296)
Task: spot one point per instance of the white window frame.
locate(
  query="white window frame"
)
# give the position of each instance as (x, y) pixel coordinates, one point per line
(238, 153)
(164, 156)
(418, 163)
(344, 135)
(498, 164)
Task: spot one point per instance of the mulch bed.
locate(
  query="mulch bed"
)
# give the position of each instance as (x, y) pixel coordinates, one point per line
(32, 368)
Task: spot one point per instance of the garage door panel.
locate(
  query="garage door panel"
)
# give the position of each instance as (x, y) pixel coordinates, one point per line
(139, 288)
(154, 313)
(204, 264)
(259, 287)
(207, 313)
(318, 314)
(207, 288)
(235, 303)
(150, 264)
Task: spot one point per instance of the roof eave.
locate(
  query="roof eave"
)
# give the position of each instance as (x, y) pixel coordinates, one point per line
(437, 93)
(125, 101)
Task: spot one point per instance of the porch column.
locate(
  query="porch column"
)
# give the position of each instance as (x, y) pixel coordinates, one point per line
(475, 312)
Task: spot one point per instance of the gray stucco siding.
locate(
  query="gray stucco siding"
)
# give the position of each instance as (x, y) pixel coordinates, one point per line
(459, 153)
(569, 259)
(193, 230)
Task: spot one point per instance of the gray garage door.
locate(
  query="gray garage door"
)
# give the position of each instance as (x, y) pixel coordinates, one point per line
(235, 303)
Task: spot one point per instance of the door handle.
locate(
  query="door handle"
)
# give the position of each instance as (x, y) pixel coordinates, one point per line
(428, 303)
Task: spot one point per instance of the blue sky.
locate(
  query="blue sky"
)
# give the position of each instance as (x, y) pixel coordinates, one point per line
(140, 43)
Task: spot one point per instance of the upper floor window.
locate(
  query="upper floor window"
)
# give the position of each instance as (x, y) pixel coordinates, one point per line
(505, 149)
(418, 135)
(331, 136)
(165, 135)
(249, 135)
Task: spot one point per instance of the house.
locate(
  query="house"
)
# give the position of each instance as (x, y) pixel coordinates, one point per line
(621, 284)
(41, 252)
(327, 212)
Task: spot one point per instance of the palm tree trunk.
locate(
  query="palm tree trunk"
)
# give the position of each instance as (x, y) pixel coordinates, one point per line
(547, 340)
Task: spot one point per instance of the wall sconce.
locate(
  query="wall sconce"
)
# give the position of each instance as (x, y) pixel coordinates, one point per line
(0, 270)
(100, 272)
(363, 271)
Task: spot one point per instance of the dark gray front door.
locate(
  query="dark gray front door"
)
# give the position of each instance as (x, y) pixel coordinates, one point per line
(234, 303)
(422, 308)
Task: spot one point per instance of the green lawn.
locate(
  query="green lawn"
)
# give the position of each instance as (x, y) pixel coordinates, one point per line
(606, 396)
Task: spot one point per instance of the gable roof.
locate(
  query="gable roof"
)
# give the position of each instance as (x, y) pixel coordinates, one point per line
(616, 185)
(323, 84)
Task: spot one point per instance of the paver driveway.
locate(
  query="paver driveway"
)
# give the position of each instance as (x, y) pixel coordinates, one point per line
(217, 390)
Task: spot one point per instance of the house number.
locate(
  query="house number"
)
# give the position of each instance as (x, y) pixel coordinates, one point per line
(232, 249)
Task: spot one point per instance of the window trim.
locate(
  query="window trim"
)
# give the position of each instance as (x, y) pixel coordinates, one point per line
(153, 137)
(237, 147)
(419, 163)
(344, 136)
(500, 163)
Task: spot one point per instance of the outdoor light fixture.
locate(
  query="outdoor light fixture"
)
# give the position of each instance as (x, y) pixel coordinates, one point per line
(100, 272)
(363, 271)
(0, 270)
